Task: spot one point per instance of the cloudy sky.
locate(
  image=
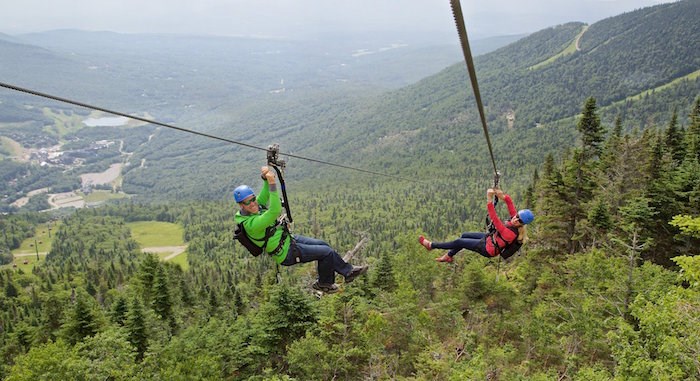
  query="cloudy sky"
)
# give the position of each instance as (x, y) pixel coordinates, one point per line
(303, 18)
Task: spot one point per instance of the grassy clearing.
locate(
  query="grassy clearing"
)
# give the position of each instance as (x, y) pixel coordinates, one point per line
(9, 147)
(571, 49)
(26, 264)
(103, 195)
(180, 260)
(41, 240)
(63, 123)
(25, 256)
(154, 234)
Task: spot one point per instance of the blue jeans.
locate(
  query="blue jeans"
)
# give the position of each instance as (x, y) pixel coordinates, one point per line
(311, 249)
(471, 241)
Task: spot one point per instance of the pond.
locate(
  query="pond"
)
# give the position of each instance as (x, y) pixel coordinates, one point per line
(112, 121)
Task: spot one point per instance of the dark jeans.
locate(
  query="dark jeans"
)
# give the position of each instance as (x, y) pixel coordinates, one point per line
(471, 241)
(311, 249)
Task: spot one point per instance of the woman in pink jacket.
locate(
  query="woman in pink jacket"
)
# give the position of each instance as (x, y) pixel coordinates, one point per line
(488, 244)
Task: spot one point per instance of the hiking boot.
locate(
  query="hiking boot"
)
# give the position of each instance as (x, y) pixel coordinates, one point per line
(356, 270)
(427, 244)
(324, 287)
(445, 258)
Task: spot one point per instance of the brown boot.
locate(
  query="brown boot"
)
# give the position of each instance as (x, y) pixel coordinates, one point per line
(445, 258)
(325, 288)
(356, 271)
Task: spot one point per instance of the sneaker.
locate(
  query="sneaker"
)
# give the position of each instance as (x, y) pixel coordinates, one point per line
(445, 258)
(356, 271)
(324, 287)
(427, 244)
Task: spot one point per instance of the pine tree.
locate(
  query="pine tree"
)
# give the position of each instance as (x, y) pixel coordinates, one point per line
(600, 220)
(674, 138)
(551, 209)
(692, 134)
(136, 327)
(384, 274)
(146, 274)
(578, 173)
(611, 148)
(82, 321)
(592, 132)
(119, 310)
(10, 289)
(51, 316)
(578, 185)
(284, 318)
(162, 303)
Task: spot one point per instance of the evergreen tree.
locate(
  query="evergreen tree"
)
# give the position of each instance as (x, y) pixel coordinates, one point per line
(162, 303)
(578, 173)
(81, 320)
(592, 132)
(578, 186)
(119, 310)
(10, 289)
(599, 220)
(611, 149)
(674, 138)
(136, 327)
(692, 134)
(285, 317)
(51, 316)
(146, 273)
(551, 209)
(384, 274)
(531, 191)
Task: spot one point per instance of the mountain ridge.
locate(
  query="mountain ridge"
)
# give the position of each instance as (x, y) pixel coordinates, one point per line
(406, 129)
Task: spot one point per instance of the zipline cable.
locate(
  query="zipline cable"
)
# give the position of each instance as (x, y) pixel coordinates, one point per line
(464, 40)
(81, 104)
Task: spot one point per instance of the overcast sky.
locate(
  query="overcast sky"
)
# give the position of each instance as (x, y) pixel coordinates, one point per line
(303, 18)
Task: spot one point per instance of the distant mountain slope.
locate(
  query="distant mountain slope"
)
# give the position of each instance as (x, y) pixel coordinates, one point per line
(433, 125)
(430, 127)
(619, 56)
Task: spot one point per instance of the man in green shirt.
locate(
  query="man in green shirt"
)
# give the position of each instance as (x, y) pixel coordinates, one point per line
(284, 248)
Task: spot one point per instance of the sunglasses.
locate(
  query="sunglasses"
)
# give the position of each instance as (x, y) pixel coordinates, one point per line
(517, 218)
(246, 203)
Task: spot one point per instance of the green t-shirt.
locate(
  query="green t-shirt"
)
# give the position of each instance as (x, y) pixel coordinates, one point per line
(256, 224)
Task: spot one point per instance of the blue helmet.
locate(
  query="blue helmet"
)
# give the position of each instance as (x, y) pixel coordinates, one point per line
(242, 192)
(526, 216)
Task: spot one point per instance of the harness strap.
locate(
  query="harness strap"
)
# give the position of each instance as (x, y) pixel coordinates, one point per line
(280, 245)
(497, 249)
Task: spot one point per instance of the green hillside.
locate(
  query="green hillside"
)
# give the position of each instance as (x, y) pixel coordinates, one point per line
(605, 289)
(436, 119)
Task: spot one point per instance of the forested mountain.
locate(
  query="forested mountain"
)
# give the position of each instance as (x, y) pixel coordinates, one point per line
(436, 119)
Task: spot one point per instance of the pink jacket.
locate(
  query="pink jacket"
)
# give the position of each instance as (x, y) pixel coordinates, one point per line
(504, 234)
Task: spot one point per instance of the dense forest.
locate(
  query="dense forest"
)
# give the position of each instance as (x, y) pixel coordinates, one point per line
(605, 289)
